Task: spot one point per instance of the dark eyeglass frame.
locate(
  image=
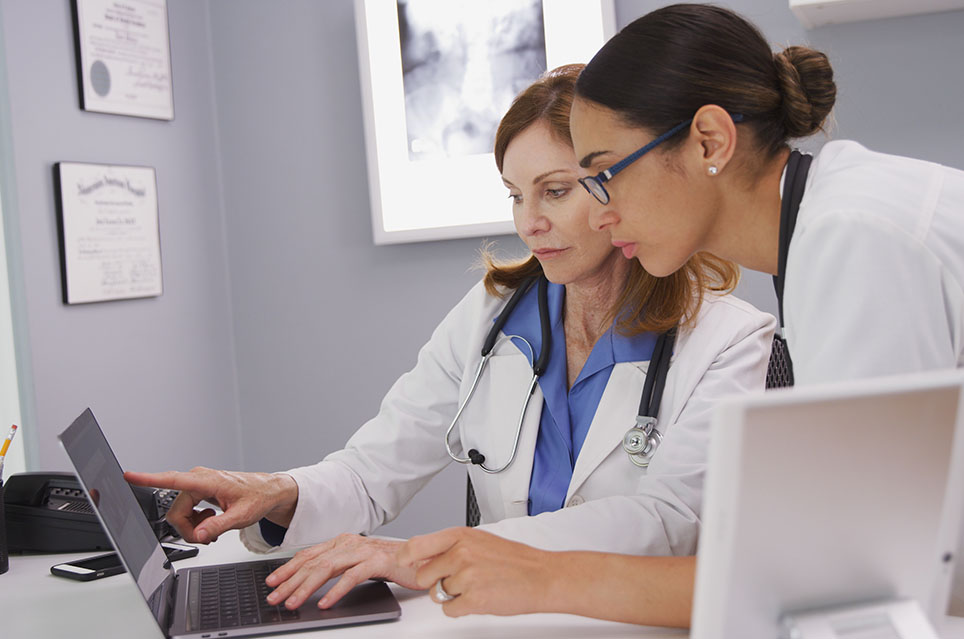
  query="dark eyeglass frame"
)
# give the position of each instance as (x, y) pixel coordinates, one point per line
(594, 183)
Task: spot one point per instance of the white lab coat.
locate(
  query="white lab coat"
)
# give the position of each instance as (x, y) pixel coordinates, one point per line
(876, 267)
(612, 505)
(875, 273)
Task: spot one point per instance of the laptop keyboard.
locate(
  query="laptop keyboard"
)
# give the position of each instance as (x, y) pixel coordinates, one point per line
(234, 595)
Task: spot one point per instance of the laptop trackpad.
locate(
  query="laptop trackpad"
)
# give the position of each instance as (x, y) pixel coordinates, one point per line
(368, 597)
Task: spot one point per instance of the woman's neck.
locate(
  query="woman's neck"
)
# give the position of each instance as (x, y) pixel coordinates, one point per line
(748, 225)
(589, 301)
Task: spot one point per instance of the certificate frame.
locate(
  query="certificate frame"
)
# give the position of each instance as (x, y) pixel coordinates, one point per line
(418, 199)
(109, 231)
(123, 53)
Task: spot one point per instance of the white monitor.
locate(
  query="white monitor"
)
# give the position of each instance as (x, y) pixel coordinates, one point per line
(831, 496)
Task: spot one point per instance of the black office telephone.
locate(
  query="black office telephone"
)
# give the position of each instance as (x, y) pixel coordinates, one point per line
(49, 512)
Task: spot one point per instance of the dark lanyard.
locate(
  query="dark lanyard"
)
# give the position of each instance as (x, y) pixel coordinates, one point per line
(794, 183)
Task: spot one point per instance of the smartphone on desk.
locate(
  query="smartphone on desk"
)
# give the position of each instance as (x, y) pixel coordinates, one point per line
(109, 564)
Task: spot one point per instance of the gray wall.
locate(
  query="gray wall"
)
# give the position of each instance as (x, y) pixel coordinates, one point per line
(159, 373)
(271, 277)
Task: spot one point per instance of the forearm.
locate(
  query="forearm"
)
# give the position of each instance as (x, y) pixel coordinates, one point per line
(657, 521)
(652, 591)
(284, 498)
(312, 504)
(332, 499)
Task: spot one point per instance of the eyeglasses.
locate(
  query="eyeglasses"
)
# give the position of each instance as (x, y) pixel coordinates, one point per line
(594, 183)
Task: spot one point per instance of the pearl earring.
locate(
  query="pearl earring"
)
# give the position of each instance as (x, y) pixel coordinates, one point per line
(713, 170)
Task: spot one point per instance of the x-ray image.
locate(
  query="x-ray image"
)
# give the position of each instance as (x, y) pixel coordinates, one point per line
(462, 63)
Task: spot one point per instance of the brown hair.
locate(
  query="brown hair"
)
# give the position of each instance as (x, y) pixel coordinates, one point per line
(646, 303)
(664, 66)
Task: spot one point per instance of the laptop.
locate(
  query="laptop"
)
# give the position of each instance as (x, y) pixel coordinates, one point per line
(833, 511)
(226, 600)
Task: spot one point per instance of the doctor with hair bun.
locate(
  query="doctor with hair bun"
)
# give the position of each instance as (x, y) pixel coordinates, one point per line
(682, 125)
(867, 248)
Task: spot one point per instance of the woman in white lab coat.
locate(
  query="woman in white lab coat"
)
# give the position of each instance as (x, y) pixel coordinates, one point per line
(681, 125)
(571, 485)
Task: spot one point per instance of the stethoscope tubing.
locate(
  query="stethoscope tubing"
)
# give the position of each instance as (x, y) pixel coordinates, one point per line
(518, 431)
(643, 432)
(659, 364)
(539, 366)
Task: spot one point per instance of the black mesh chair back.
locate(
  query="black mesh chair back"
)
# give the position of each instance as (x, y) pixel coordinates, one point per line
(779, 375)
(780, 368)
(472, 514)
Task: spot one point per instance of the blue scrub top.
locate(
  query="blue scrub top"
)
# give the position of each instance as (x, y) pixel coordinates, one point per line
(567, 415)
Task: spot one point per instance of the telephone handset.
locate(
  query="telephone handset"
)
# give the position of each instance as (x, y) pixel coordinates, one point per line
(49, 512)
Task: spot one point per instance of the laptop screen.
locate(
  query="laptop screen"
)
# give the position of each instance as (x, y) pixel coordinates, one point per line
(114, 502)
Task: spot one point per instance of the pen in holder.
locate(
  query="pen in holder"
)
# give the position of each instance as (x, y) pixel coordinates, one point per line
(4, 560)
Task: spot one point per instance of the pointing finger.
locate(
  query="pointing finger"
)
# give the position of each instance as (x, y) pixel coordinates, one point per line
(199, 481)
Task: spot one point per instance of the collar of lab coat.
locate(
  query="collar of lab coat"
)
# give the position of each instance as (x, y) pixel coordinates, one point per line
(610, 422)
(611, 349)
(613, 418)
(617, 348)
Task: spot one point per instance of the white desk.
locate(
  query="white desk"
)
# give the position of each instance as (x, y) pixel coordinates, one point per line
(34, 603)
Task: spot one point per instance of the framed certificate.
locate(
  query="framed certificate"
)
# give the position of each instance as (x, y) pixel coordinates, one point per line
(124, 57)
(436, 78)
(110, 244)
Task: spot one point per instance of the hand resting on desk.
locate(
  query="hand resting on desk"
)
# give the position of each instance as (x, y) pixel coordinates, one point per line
(487, 574)
(245, 498)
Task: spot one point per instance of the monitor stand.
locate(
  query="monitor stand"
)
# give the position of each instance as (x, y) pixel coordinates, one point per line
(898, 619)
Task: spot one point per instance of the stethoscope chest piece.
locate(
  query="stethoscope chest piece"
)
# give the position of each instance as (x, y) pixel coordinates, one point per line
(642, 440)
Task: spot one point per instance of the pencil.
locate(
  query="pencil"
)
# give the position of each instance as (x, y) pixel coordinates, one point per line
(6, 442)
(6, 445)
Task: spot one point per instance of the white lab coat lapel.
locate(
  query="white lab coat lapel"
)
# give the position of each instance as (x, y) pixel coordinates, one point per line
(615, 415)
(514, 480)
(489, 425)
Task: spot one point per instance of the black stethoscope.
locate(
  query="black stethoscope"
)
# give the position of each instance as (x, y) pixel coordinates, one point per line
(640, 441)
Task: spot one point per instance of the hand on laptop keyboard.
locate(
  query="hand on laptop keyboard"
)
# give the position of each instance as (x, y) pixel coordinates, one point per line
(354, 557)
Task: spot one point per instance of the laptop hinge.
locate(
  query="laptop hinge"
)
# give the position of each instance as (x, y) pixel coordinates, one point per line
(166, 613)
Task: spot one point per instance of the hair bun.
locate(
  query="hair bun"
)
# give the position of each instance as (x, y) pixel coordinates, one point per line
(807, 89)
